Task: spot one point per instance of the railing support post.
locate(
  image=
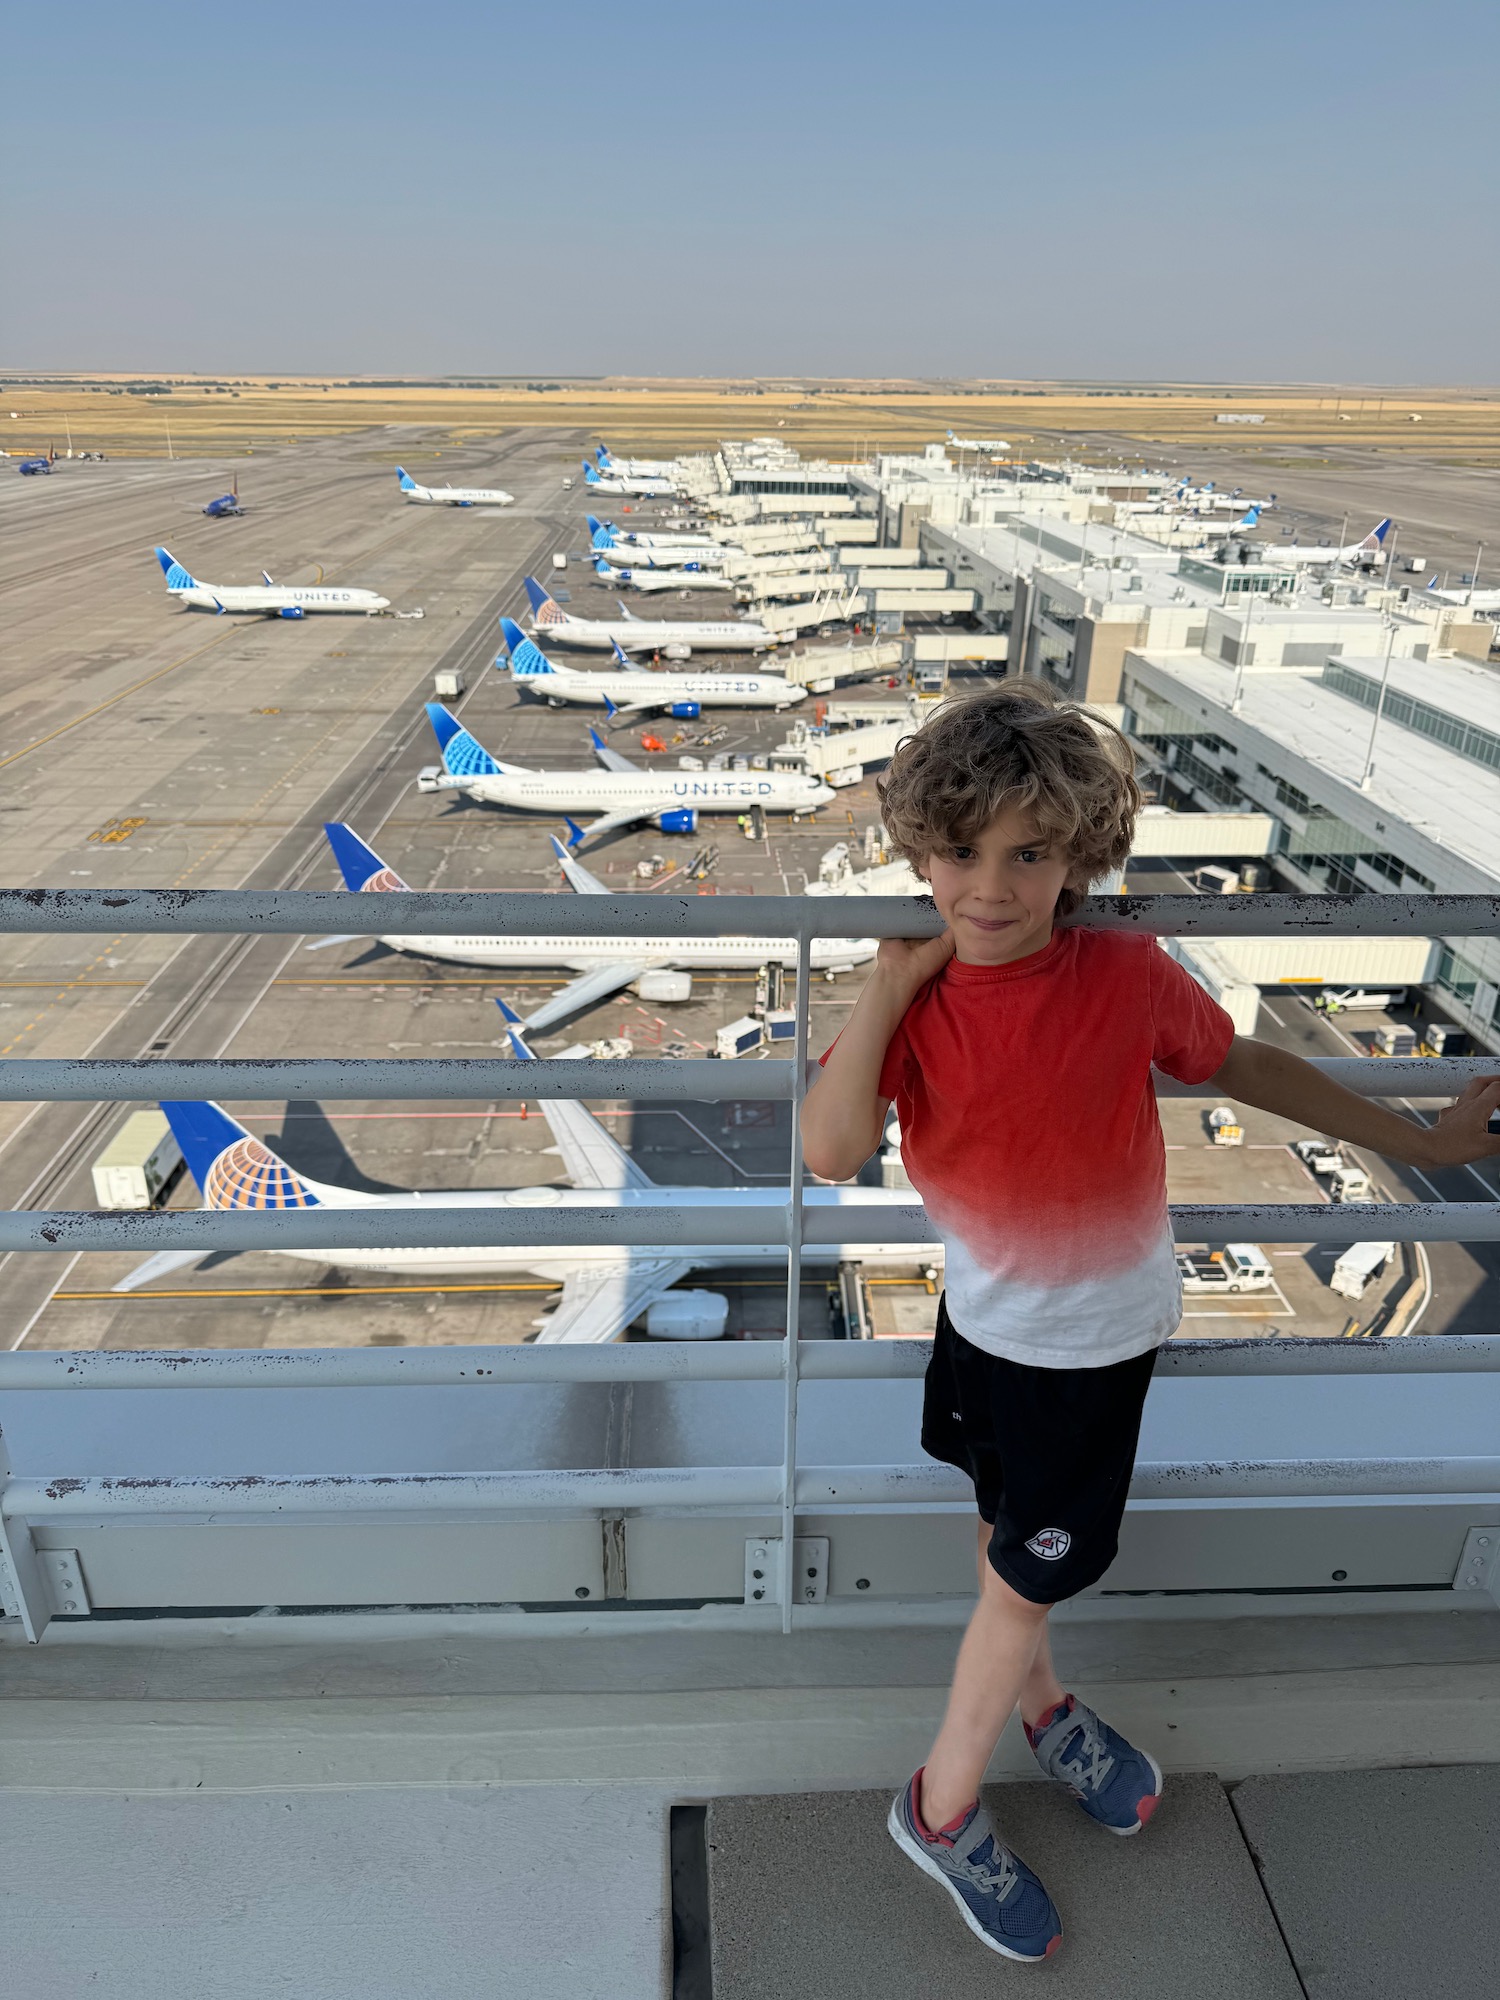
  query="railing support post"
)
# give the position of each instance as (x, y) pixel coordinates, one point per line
(794, 1288)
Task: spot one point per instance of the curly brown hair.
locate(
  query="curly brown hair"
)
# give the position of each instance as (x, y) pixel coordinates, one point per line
(1015, 745)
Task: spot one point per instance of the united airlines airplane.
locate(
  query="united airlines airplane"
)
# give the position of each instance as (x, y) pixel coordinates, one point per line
(453, 496)
(604, 1287)
(266, 599)
(623, 793)
(604, 964)
(612, 543)
(640, 489)
(1365, 551)
(631, 690)
(649, 578)
(636, 468)
(729, 635)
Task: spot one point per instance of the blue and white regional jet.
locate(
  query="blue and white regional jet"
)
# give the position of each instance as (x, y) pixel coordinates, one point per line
(604, 1287)
(629, 484)
(453, 496)
(266, 599)
(675, 638)
(623, 793)
(633, 690)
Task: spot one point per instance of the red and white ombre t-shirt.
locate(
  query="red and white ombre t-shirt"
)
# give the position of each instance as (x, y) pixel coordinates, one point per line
(1029, 1127)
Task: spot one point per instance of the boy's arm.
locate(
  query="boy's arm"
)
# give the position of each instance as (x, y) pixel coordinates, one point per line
(1275, 1080)
(843, 1114)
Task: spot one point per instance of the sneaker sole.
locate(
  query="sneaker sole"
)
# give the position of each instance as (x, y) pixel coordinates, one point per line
(1125, 1832)
(928, 1866)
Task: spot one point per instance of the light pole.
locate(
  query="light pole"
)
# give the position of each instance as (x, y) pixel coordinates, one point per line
(1385, 674)
(1242, 661)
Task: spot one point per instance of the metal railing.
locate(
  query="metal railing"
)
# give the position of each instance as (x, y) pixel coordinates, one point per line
(675, 1220)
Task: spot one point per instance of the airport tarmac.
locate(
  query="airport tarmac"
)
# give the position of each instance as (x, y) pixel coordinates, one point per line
(148, 746)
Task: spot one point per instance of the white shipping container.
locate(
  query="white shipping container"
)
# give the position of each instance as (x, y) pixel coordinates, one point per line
(1215, 972)
(1360, 1264)
(137, 1163)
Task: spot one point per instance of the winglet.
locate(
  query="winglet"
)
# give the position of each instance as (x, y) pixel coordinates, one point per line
(610, 709)
(575, 831)
(513, 1027)
(622, 658)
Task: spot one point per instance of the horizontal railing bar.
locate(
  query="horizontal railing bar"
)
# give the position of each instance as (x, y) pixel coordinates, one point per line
(87, 1080)
(702, 1079)
(1411, 1354)
(688, 1361)
(592, 1490)
(587, 1490)
(678, 1218)
(429, 913)
(907, 1485)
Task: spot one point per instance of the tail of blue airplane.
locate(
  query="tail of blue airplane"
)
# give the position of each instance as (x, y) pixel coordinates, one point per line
(232, 1167)
(463, 757)
(545, 610)
(527, 660)
(601, 536)
(360, 866)
(590, 474)
(408, 484)
(177, 577)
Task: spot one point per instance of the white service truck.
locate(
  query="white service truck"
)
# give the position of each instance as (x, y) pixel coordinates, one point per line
(137, 1163)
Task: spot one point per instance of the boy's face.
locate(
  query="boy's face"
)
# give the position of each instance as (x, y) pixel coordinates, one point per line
(997, 896)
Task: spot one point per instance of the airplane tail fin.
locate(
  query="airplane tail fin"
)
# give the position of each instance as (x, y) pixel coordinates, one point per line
(600, 536)
(527, 660)
(590, 474)
(408, 484)
(1378, 534)
(545, 609)
(360, 866)
(463, 757)
(232, 1167)
(177, 577)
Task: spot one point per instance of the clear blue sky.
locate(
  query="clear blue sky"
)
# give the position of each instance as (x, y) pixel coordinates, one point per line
(1289, 190)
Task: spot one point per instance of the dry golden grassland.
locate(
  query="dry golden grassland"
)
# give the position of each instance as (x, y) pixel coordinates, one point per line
(840, 420)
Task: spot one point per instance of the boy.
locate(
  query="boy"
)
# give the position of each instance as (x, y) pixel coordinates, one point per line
(1019, 1057)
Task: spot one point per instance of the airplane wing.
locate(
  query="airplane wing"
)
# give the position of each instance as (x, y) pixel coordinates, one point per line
(160, 1266)
(629, 815)
(578, 876)
(609, 757)
(590, 1157)
(596, 984)
(598, 1305)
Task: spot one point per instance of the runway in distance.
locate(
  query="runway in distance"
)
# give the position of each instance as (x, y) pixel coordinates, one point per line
(628, 484)
(453, 496)
(675, 638)
(624, 794)
(604, 964)
(649, 578)
(266, 599)
(604, 1288)
(631, 690)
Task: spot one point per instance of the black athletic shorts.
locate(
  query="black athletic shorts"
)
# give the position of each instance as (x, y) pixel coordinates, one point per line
(1050, 1452)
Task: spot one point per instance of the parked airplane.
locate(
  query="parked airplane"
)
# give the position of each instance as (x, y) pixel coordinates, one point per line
(636, 468)
(639, 488)
(604, 964)
(624, 794)
(638, 690)
(226, 506)
(453, 496)
(1469, 599)
(1249, 519)
(269, 600)
(977, 444)
(649, 577)
(676, 639)
(604, 1287)
(612, 543)
(1366, 551)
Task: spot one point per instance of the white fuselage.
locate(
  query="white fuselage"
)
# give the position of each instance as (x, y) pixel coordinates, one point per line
(664, 579)
(632, 690)
(640, 489)
(640, 468)
(558, 792)
(459, 496)
(269, 599)
(631, 538)
(554, 1260)
(729, 635)
(677, 954)
(712, 555)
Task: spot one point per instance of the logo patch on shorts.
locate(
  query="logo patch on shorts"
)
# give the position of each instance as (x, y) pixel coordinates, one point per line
(1051, 1544)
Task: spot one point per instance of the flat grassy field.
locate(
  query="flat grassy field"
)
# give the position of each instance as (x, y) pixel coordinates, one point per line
(131, 416)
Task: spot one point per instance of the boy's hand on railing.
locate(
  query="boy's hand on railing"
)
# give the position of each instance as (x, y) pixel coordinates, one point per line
(908, 963)
(1463, 1132)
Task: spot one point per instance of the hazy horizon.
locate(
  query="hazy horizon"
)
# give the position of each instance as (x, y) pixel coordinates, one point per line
(1298, 200)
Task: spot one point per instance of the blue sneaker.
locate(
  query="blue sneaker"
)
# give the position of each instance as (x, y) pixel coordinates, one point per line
(1114, 1782)
(997, 1895)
